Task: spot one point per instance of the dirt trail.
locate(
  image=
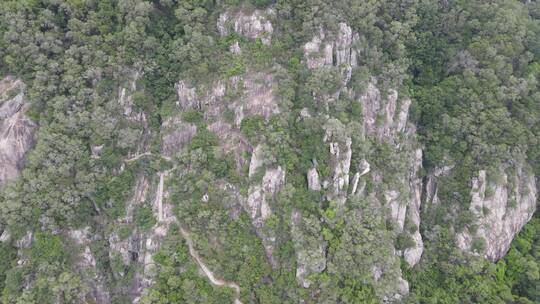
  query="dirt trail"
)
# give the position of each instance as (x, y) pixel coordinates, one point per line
(209, 274)
(136, 157)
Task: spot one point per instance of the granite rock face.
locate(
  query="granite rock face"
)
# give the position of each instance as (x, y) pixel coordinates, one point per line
(384, 121)
(176, 135)
(313, 179)
(383, 118)
(254, 24)
(501, 205)
(16, 130)
(340, 153)
(412, 255)
(258, 205)
(254, 96)
(373, 161)
(339, 49)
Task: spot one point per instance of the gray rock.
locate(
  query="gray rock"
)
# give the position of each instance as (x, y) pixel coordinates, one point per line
(26, 241)
(176, 135)
(380, 117)
(431, 199)
(5, 236)
(344, 46)
(257, 205)
(397, 208)
(501, 211)
(16, 130)
(412, 255)
(336, 136)
(257, 160)
(96, 150)
(253, 25)
(187, 97)
(258, 208)
(340, 51)
(235, 48)
(125, 98)
(313, 55)
(257, 98)
(370, 101)
(313, 179)
(10, 107)
(355, 180)
(403, 115)
(363, 169)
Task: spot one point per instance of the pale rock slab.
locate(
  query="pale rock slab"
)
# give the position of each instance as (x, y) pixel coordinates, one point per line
(16, 130)
(253, 25)
(502, 211)
(332, 49)
(313, 179)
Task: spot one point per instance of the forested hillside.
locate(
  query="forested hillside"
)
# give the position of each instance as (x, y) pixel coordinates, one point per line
(269, 151)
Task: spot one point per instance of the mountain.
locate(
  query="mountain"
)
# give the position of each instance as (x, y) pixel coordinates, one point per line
(269, 151)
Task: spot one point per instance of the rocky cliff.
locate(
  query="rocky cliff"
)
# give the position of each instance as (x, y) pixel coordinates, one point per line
(393, 187)
(384, 123)
(16, 130)
(501, 204)
(324, 177)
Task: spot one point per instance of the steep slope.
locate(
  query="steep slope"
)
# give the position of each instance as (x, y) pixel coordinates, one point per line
(268, 151)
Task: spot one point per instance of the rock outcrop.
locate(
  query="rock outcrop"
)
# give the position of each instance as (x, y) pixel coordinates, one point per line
(176, 135)
(368, 182)
(255, 96)
(16, 130)
(252, 25)
(258, 97)
(413, 254)
(382, 118)
(501, 205)
(340, 150)
(313, 179)
(396, 187)
(125, 98)
(258, 207)
(339, 49)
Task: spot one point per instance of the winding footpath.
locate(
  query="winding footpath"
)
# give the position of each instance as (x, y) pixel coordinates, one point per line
(207, 272)
(136, 157)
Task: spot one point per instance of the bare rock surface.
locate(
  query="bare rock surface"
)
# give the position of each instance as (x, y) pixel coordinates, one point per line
(332, 48)
(251, 24)
(176, 135)
(501, 205)
(313, 179)
(16, 130)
